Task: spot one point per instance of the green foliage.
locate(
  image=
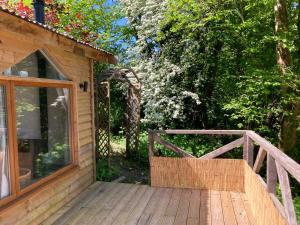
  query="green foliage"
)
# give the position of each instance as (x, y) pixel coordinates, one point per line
(105, 172)
(213, 64)
(49, 161)
(118, 107)
(262, 104)
(297, 207)
(143, 149)
(94, 21)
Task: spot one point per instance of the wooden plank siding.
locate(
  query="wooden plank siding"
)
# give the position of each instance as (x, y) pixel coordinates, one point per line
(42, 202)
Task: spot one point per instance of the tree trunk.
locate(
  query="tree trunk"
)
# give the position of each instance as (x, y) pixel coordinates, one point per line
(281, 26)
(289, 125)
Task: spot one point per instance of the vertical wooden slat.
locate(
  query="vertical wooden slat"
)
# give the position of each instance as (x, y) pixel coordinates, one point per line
(92, 96)
(259, 160)
(11, 140)
(286, 195)
(74, 125)
(150, 143)
(271, 174)
(248, 150)
(16, 184)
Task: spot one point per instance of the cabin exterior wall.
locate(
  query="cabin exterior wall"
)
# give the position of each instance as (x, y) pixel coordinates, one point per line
(39, 204)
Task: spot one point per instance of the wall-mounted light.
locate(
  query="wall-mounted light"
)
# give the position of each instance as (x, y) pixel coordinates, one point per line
(84, 86)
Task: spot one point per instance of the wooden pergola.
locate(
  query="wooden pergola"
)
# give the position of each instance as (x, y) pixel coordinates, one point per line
(102, 110)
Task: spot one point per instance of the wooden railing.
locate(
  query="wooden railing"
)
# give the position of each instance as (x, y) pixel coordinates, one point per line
(279, 165)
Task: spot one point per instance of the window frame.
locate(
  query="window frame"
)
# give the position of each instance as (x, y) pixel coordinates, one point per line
(9, 83)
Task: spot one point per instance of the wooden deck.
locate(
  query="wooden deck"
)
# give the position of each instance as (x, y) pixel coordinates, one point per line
(120, 204)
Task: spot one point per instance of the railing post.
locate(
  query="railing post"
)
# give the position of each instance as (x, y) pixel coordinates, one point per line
(271, 174)
(259, 160)
(248, 150)
(150, 143)
(286, 194)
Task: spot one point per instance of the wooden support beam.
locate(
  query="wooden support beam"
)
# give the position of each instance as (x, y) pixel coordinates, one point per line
(259, 160)
(286, 162)
(223, 149)
(271, 175)
(286, 195)
(172, 147)
(208, 132)
(248, 150)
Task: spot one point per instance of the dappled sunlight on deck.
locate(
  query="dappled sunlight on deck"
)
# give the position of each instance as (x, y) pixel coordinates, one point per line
(120, 204)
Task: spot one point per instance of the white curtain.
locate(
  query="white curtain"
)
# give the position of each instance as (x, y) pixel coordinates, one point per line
(3, 146)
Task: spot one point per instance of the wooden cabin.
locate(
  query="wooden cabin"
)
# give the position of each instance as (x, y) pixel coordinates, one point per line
(46, 118)
(47, 156)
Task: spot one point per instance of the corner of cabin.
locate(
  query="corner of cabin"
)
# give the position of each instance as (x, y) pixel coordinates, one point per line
(24, 49)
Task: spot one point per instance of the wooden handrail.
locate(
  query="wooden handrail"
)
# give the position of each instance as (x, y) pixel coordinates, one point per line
(208, 132)
(278, 163)
(286, 162)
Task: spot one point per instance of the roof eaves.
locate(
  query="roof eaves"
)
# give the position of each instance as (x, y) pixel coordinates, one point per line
(52, 29)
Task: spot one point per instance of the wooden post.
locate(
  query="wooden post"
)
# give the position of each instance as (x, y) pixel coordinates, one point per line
(92, 96)
(150, 144)
(248, 150)
(259, 160)
(271, 174)
(286, 195)
(150, 151)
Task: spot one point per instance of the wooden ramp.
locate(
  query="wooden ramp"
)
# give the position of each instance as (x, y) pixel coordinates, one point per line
(120, 204)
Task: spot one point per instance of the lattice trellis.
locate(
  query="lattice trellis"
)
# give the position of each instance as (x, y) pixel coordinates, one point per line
(102, 120)
(133, 121)
(102, 111)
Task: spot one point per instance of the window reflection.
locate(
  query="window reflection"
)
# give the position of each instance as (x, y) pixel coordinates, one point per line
(43, 131)
(35, 65)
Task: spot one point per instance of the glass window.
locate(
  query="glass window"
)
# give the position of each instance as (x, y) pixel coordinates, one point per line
(43, 131)
(35, 65)
(42, 125)
(5, 188)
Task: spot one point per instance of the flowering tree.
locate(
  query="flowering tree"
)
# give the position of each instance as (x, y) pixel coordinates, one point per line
(212, 64)
(165, 97)
(91, 21)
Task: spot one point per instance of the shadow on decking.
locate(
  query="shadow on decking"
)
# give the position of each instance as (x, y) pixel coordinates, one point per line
(120, 204)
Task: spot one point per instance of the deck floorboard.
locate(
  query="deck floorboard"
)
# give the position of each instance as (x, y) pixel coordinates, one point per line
(129, 204)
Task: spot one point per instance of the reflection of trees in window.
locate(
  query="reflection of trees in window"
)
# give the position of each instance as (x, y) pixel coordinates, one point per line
(43, 119)
(45, 137)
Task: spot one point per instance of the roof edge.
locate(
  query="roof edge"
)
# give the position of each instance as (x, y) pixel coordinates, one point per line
(92, 51)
